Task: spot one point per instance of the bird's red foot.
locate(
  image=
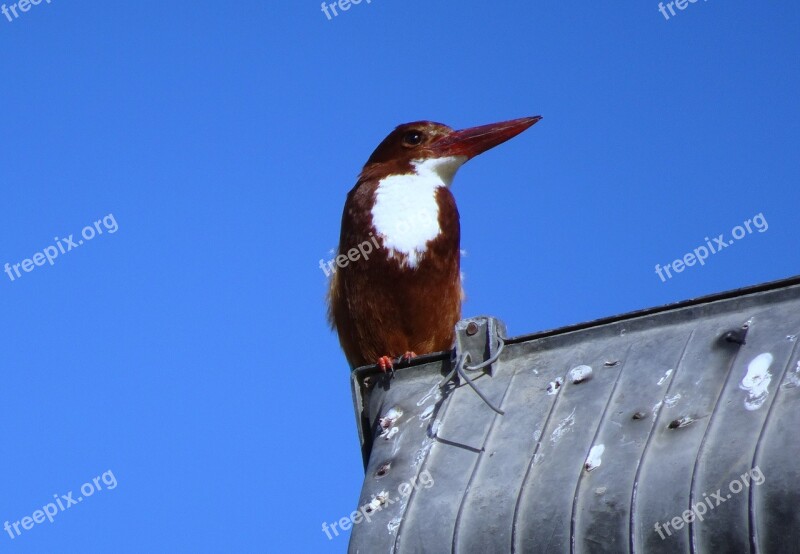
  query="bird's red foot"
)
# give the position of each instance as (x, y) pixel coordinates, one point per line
(385, 363)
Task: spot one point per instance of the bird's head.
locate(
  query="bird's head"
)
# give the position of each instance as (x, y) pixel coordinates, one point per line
(440, 147)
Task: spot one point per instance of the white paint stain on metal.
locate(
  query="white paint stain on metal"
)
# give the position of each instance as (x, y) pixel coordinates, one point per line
(672, 400)
(387, 423)
(664, 378)
(656, 408)
(756, 381)
(394, 524)
(793, 378)
(378, 500)
(554, 386)
(427, 413)
(422, 453)
(435, 393)
(682, 422)
(389, 433)
(580, 374)
(563, 427)
(595, 457)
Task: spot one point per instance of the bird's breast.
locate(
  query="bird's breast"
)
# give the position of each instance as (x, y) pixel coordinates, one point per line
(405, 215)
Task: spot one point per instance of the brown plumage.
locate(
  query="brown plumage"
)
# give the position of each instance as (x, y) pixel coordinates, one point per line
(399, 300)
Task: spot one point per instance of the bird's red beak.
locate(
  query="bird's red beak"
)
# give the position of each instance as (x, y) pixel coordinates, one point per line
(475, 140)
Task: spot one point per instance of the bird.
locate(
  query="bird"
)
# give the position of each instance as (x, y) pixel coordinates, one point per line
(395, 291)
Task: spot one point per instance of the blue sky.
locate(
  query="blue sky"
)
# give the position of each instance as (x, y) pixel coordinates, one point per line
(187, 351)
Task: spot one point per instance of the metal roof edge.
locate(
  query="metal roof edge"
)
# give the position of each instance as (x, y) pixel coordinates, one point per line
(707, 299)
(714, 297)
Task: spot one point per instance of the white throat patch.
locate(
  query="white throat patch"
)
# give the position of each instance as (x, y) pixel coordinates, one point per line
(406, 214)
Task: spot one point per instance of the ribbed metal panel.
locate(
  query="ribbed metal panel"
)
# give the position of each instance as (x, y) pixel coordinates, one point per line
(676, 409)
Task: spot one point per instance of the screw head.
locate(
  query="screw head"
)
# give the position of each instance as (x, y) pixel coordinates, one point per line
(472, 328)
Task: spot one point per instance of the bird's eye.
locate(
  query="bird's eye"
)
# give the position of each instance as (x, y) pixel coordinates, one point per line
(412, 138)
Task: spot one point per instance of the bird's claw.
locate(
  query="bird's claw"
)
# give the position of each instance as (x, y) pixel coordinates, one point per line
(385, 364)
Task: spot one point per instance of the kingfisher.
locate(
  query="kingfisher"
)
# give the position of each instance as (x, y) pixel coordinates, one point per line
(399, 294)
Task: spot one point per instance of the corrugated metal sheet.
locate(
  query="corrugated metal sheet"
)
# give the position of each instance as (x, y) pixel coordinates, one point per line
(681, 402)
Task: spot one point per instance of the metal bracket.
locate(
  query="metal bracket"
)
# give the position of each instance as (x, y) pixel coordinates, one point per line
(481, 339)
